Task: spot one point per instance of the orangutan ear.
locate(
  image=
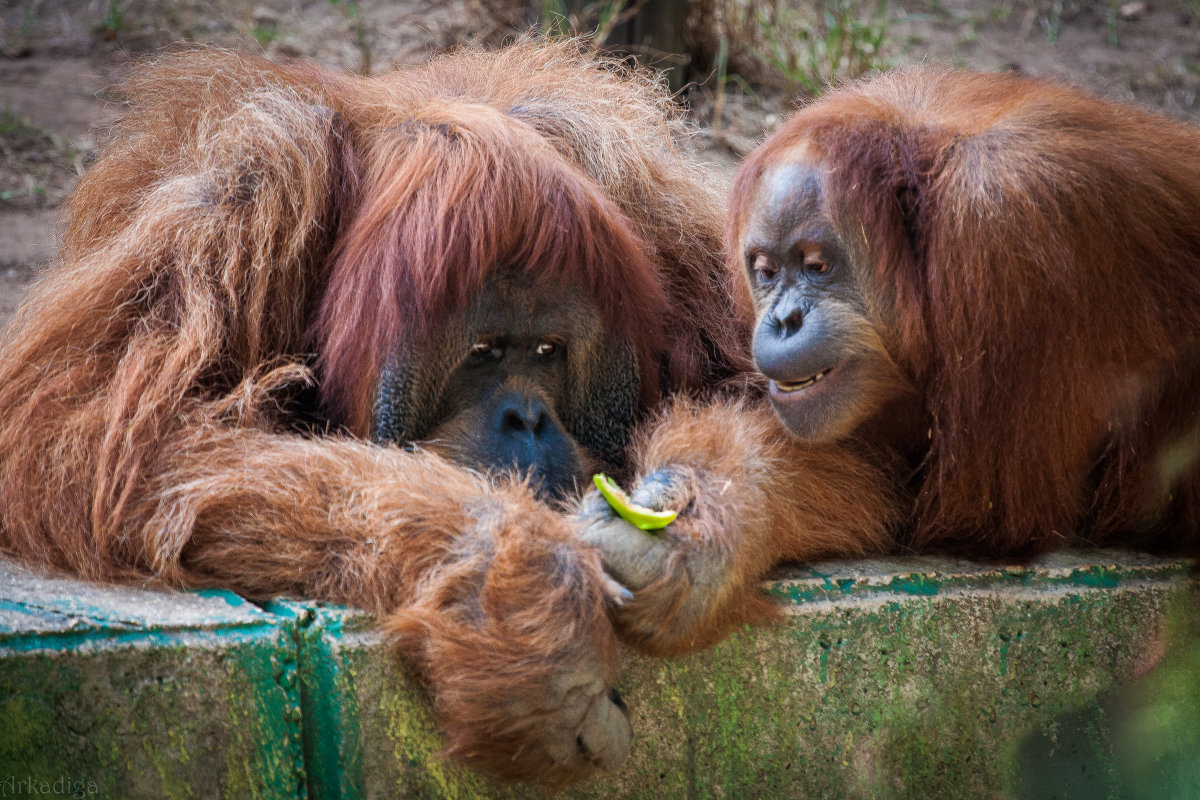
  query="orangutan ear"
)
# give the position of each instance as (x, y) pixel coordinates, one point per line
(602, 398)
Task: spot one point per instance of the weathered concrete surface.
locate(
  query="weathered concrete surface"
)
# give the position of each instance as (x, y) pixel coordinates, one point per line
(899, 678)
(131, 693)
(916, 678)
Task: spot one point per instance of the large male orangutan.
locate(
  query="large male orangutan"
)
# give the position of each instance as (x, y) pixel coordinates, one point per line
(988, 286)
(303, 322)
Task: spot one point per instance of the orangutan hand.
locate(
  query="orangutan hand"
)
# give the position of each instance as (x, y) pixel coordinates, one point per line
(677, 575)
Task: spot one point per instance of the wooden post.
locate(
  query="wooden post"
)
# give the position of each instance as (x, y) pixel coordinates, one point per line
(656, 37)
(654, 34)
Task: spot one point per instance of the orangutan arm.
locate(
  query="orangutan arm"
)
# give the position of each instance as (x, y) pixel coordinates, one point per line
(484, 589)
(749, 497)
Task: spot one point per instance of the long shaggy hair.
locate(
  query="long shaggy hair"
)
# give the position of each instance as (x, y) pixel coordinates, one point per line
(253, 227)
(1037, 252)
(247, 214)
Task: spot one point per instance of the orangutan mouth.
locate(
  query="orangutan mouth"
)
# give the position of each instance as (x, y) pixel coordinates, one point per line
(796, 386)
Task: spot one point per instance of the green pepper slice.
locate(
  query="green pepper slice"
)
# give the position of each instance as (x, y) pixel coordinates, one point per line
(646, 519)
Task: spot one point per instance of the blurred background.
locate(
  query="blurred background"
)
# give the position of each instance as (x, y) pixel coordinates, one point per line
(738, 67)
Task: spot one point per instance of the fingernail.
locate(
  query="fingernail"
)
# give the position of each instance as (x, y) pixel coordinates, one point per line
(621, 595)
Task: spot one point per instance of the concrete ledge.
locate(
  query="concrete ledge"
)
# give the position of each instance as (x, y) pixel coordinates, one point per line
(907, 678)
(889, 678)
(113, 692)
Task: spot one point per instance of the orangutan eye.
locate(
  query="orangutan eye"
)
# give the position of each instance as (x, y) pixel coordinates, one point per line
(764, 270)
(816, 267)
(547, 349)
(487, 348)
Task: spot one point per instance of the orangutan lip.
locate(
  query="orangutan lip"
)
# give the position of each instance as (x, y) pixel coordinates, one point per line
(796, 386)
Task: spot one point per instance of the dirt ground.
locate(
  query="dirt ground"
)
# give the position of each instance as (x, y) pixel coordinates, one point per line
(59, 58)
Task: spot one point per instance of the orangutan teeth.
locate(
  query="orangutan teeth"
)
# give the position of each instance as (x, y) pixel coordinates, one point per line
(804, 384)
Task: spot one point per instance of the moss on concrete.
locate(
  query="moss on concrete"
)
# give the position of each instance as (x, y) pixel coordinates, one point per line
(1140, 741)
(369, 727)
(892, 679)
(905, 678)
(94, 692)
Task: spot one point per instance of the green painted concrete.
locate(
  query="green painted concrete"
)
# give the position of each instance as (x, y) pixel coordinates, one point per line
(128, 693)
(921, 678)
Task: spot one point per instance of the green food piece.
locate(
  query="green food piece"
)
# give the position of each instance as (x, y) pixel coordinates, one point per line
(638, 516)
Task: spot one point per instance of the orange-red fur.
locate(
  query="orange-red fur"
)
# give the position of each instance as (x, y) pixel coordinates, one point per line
(1029, 260)
(248, 215)
(1032, 258)
(750, 498)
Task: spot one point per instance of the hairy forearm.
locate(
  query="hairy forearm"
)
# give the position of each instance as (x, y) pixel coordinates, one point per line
(483, 588)
(749, 496)
(768, 496)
